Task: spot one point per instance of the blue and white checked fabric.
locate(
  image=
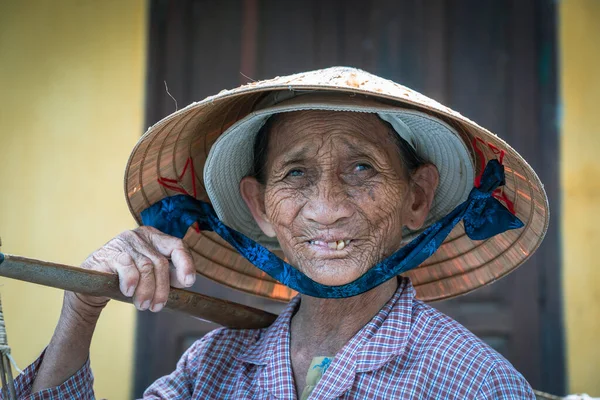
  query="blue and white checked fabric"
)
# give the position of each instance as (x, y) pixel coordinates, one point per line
(79, 386)
(407, 351)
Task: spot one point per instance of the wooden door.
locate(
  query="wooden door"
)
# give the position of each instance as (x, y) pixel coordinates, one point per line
(491, 60)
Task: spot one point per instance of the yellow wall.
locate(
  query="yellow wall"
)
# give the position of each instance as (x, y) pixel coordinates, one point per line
(71, 109)
(580, 168)
(72, 75)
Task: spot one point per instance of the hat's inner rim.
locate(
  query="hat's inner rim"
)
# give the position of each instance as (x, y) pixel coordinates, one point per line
(231, 158)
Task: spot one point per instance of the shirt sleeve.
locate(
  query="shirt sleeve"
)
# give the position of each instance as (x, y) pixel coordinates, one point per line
(78, 386)
(181, 382)
(504, 382)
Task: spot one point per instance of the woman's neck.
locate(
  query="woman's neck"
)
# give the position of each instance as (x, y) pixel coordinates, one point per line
(321, 327)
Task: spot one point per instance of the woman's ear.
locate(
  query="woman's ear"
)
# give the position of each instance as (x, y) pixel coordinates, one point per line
(252, 192)
(424, 182)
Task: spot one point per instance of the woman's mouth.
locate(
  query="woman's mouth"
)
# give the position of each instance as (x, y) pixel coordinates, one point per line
(332, 245)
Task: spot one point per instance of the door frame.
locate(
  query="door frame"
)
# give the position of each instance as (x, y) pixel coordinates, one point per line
(166, 47)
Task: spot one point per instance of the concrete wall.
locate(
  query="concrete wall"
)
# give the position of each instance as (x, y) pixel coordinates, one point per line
(580, 178)
(71, 109)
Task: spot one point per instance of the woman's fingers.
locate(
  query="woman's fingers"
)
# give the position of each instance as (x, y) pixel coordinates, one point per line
(146, 287)
(128, 274)
(161, 272)
(184, 266)
(161, 293)
(149, 249)
(161, 281)
(177, 251)
(141, 259)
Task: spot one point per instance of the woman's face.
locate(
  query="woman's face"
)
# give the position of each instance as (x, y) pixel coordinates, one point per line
(336, 194)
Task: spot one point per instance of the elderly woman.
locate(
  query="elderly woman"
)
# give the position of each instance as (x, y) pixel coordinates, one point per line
(353, 180)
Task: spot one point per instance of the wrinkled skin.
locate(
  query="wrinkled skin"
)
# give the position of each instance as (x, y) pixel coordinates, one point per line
(141, 259)
(337, 176)
(330, 176)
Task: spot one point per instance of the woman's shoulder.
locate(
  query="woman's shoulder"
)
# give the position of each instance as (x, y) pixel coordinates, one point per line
(224, 343)
(440, 345)
(432, 329)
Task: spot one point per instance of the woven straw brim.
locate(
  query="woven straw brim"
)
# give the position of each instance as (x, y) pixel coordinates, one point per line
(459, 266)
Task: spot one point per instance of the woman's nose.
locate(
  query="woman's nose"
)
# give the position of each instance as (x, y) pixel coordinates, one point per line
(328, 203)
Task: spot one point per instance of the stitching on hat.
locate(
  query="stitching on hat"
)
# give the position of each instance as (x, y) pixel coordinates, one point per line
(175, 184)
(498, 193)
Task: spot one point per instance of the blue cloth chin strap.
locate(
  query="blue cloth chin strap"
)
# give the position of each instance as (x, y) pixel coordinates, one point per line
(483, 216)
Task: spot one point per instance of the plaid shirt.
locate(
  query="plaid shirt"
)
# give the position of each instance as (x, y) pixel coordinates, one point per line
(407, 351)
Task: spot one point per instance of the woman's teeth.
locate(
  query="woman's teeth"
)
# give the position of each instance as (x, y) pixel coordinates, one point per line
(337, 245)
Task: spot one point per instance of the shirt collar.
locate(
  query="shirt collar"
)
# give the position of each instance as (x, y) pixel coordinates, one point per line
(387, 334)
(384, 337)
(272, 337)
(272, 352)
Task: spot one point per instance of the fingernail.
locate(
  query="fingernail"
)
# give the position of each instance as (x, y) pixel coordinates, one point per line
(157, 307)
(130, 291)
(145, 305)
(189, 280)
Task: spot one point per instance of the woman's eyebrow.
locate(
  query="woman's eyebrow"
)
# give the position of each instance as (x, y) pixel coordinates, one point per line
(294, 157)
(366, 149)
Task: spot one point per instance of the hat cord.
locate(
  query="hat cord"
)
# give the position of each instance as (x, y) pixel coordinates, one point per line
(483, 216)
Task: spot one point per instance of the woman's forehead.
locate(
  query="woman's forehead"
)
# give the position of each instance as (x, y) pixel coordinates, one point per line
(309, 129)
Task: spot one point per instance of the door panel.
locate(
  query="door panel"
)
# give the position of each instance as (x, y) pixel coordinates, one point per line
(480, 57)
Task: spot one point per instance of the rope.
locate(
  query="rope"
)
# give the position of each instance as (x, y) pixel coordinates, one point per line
(4, 347)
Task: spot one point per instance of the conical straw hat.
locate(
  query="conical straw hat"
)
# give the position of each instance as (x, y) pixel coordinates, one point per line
(178, 146)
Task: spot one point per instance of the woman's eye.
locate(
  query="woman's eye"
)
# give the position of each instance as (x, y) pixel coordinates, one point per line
(294, 173)
(362, 167)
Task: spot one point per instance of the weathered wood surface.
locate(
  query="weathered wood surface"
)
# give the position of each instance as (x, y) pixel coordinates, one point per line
(94, 283)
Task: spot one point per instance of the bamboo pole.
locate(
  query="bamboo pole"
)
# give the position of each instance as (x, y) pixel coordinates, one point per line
(94, 283)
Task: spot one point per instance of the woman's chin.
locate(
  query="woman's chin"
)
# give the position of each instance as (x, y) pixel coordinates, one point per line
(332, 276)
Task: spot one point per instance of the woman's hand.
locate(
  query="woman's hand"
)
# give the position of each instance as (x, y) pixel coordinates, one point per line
(141, 259)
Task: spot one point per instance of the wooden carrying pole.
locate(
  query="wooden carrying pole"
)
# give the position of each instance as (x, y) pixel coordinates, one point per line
(94, 283)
